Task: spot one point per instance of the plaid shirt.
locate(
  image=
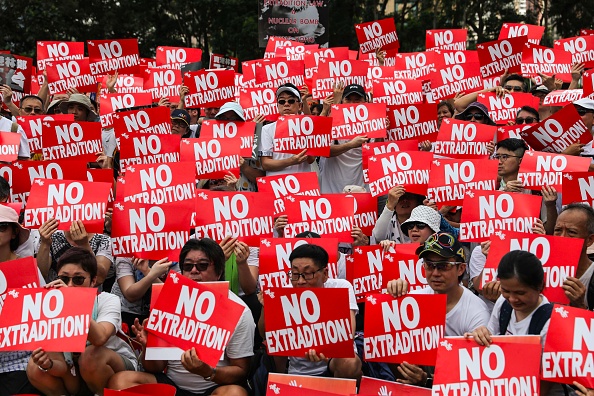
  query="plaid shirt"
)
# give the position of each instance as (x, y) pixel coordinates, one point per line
(14, 361)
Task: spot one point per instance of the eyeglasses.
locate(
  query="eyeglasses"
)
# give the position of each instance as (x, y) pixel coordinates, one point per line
(306, 275)
(35, 110)
(289, 101)
(476, 116)
(439, 265)
(200, 267)
(527, 120)
(4, 226)
(583, 112)
(420, 226)
(504, 157)
(76, 280)
(513, 88)
(178, 124)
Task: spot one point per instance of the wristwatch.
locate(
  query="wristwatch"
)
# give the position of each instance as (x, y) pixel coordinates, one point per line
(211, 376)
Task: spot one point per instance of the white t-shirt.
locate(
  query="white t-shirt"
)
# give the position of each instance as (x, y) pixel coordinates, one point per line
(109, 310)
(342, 170)
(240, 345)
(468, 314)
(514, 327)
(266, 149)
(108, 139)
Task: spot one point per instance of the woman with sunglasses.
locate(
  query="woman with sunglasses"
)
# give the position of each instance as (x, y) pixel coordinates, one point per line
(56, 373)
(422, 223)
(527, 115)
(475, 112)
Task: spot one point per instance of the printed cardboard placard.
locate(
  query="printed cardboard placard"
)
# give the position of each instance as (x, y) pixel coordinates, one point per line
(312, 58)
(71, 139)
(373, 149)
(581, 49)
(377, 34)
(67, 201)
(452, 75)
(329, 215)
(145, 389)
(369, 270)
(463, 139)
(275, 264)
(558, 131)
(19, 273)
(110, 103)
(193, 305)
(218, 61)
(365, 212)
(497, 56)
(109, 56)
(52, 319)
(15, 71)
(66, 74)
(154, 120)
(249, 74)
(147, 148)
(376, 72)
(256, 101)
(413, 122)
(414, 65)
(402, 329)
(409, 266)
(395, 92)
(295, 51)
(559, 257)
(32, 125)
(58, 51)
(537, 59)
(502, 110)
(313, 318)
(175, 57)
(374, 386)
(539, 169)
(124, 84)
(209, 88)
(563, 97)
(578, 187)
(404, 168)
(163, 83)
(450, 179)
(487, 213)
(231, 130)
(332, 71)
(511, 131)
(342, 386)
(213, 158)
(511, 30)
(568, 348)
(361, 119)
(446, 39)
(588, 82)
(103, 176)
(304, 183)
(511, 364)
(280, 71)
(9, 146)
(243, 215)
(295, 133)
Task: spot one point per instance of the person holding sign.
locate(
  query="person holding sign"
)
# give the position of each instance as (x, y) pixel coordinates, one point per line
(398, 209)
(106, 354)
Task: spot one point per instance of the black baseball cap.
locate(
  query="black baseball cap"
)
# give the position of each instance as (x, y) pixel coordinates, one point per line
(180, 114)
(353, 89)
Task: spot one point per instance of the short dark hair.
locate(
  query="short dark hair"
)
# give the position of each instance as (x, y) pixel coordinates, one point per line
(79, 256)
(518, 146)
(516, 77)
(210, 248)
(522, 265)
(31, 97)
(4, 190)
(314, 252)
(585, 209)
(530, 110)
(318, 106)
(447, 104)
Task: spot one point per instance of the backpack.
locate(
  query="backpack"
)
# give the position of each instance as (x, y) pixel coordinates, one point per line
(537, 322)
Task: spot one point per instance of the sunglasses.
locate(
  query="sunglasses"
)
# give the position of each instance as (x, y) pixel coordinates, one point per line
(76, 280)
(583, 112)
(289, 101)
(476, 116)
(35, 110)
(4, 226)
(527, 120)
(439, 265)
(515, 89)
(420, 226)
(200, 267)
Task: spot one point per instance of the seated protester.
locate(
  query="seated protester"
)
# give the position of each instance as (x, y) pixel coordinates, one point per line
(53, 243)
(274, 163)
(201, 261)
(56, 373)
(444, 262)
(309, 269)
(397, 210)
(521, 309)
(527, 115)
(134, 280)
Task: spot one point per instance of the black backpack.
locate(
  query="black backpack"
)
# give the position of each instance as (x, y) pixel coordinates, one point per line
(539, 318)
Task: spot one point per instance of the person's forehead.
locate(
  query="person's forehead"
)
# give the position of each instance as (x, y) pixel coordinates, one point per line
(286, 95)
(31, 102)
(475, 111)
(354, 97)
(196, 255)
(573, 218)
(525, 113)
(502, 150)
(514, 83)
(72, 268)
(230, 115)
(303, 262)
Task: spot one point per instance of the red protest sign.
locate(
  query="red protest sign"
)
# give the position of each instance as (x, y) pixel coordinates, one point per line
(409, 266)
(450, 179)
(487, 212)
(374, 386)
(377, 34)
(58, 51)
(312, 58)
(532, 32)
(581, 49)
(325, 308)
(377, 73)
(223, 62)
(175, 57)
(231, 130)
(145, 389)
(391, 325)
(280, 71)
(451, 77)
(463, 139)
(497, 56)
(417, 121)
(32, 125)
(305, 183)
(369, 271)
(9, 146)
(578, 187)
(588, 83)
(193, 305)
(274, 388)
(511, 131)
(16, 274)
(109, 56)
(163, 83)
(67, 201)
(154, 120)
(52, 319)
(145, 148)
(539, 169)
(568, 347)
(502, 110)
(110, 103)
(213, 158)
(275, 264)
(510, 363)
(537, 60)
(295, 133)
(209, 88)
(563, 97)
(559, 257)
(329, 215)
(256, 101)
(558, 132)
(124, 84)
(374, 149)
(243, 215)
(249, 74)
(398, 92)
(405, 168)
(358, 119)
(446, 39)
(332, 71)
(414, 65)
(71, 139)
(365, 212)
(66, 74)
(342, 386)
(160, 184)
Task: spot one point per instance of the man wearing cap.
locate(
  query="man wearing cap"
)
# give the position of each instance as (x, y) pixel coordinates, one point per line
(180, 124)
(345, 164)
(288, 101)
